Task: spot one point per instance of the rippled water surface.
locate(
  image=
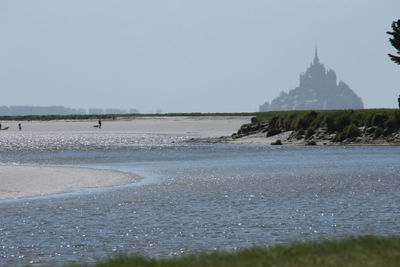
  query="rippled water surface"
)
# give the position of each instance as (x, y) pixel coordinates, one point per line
(197, 197)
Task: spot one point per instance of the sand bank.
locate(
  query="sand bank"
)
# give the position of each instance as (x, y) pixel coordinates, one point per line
(258, 138)
(27, 181)
(201, 125)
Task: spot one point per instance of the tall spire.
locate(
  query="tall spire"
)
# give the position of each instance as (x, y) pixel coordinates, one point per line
(316, 59)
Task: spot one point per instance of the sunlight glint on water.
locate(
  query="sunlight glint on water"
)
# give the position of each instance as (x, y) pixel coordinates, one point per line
(196, 197)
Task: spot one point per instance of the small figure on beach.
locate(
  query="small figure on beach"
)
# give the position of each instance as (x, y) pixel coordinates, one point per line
(19, 126)
(100, 123)
(0, 126)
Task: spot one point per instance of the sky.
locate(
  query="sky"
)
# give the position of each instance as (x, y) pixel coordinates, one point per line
(190, 56)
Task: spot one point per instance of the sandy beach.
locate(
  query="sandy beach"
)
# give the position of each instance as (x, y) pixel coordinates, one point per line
(24, 181)
(201, 125)
(27, 181)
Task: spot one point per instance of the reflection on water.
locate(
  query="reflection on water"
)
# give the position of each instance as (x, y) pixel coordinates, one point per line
(199, 197)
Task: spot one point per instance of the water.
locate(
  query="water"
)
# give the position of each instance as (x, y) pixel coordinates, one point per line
(198, 197)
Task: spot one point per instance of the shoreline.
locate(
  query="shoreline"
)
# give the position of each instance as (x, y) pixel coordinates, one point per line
(19, 181)
(203, 125)
(127, 116)
(318, 127)
(55, 135)
(286, 138)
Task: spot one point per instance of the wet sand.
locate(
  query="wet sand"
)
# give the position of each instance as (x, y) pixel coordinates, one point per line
(202, 125)
(28, 181)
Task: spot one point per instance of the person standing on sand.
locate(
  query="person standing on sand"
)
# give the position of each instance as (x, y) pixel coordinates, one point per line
(19, 126)
(100, 123)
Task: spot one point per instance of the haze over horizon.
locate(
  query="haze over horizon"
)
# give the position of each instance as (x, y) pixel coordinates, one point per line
(190, 56)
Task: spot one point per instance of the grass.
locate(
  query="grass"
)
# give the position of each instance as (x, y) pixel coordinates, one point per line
(335, 120)
(114, 116)
(354, 251)
(344, 123)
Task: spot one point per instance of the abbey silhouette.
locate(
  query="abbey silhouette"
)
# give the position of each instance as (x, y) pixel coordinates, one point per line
(317, 90)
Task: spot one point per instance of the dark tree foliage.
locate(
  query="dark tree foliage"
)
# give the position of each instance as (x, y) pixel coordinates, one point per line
(395, 40)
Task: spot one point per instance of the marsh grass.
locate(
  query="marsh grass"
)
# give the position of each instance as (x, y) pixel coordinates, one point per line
(354, 251)
(335, 120)
(344, 123)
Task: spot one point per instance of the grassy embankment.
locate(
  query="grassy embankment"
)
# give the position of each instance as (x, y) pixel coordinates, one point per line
(344, 123)
(114, 116)
(362, 251)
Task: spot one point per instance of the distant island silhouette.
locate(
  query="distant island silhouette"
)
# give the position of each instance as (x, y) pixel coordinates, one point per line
(317, 90)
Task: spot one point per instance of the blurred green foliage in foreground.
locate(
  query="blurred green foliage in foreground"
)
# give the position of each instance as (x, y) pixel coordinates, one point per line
(354, 251)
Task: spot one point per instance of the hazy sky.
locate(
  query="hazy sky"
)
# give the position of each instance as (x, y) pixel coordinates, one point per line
(190, 56)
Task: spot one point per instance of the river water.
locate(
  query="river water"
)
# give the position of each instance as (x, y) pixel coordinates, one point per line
(199, 197)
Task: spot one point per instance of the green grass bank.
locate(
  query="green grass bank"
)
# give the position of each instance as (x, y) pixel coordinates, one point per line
(335, 120)
(357, 251)
(333, 125)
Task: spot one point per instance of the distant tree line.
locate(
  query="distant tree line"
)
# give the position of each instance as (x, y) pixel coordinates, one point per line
(59, 110)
